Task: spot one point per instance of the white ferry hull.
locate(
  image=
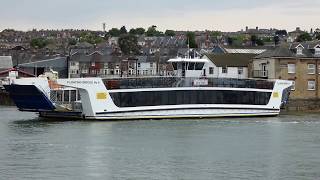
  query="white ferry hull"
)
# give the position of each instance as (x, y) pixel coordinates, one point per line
(168, 114)
(186, 113)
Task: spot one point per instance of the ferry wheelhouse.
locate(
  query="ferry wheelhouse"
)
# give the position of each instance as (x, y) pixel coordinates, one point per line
(188, 94)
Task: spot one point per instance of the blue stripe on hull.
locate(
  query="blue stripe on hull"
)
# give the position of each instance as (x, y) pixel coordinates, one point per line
(29, 98)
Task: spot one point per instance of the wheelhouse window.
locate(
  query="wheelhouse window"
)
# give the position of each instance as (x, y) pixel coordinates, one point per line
(174, 64)
(224, 70)
(291, 68)
(199, 66)
(311, 68)
(311, 85)
(191, 66)
(211, 70)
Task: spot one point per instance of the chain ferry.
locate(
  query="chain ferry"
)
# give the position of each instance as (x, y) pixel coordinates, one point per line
(188, 94)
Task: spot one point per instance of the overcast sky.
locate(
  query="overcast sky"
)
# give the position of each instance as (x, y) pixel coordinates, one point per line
(225, 15)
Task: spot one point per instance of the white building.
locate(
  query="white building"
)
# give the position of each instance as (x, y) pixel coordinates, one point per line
(214, 66)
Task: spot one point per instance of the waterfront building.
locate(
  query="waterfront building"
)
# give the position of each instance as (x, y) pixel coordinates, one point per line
(298, 62)
(228, 65)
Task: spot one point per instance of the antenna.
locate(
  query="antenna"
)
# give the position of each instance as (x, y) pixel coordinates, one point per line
(188, 48)
(104, 27)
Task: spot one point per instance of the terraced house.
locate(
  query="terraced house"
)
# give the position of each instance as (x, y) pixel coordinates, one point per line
(298, 62)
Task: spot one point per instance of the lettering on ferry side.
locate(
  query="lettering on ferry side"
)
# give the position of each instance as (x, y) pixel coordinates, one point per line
(83, 82)
(101, 96)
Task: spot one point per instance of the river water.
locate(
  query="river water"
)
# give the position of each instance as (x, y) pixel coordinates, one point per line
(283, 147)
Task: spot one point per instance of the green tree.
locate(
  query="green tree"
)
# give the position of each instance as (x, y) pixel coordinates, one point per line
(260, 42)
(281, 33)
(39, 43)
(72, 42)
(140, 31)
(276, 40)
(123, 30)
(216, 34)
(230, 41)
(152, 31)
(90, 38)
(133, 31)
(170, 32)
(253, 40)
(191, 40)
(304, 37)
(128, 44)
(114, 32)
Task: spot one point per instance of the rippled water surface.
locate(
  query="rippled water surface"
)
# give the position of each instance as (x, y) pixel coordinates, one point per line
(284, 147)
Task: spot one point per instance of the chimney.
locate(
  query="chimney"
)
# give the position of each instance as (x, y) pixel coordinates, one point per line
(247, 28)
(257, 28)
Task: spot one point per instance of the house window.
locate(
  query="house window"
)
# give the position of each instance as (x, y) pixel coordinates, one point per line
(240, 70)
(311, 85)
(139, 65)
(291, 68)
(311, 68)
(151, 65)
(73, 63)
(93, 64)
(293, 87)
(299, 50)
(211, 70)
(317, 51)
(224, 70)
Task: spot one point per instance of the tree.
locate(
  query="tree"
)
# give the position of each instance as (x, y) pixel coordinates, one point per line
(123, 30)
(276, 40)
(304, 37)
(216, 34)
(133, 31)
(114, 32)
(281, 33)
(253, 40)
(230, 41)
(128, 44)
(90, 38)
(140, 31)
(152, 31)
(39, 43)
(259, 42)
(72, 42)
(170, 33)
(191, 40)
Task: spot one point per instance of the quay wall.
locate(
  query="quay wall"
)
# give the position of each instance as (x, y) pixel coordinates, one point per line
(5, 99)
(301, 105)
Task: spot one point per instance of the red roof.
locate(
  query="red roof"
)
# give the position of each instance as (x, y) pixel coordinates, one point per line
(19, 71)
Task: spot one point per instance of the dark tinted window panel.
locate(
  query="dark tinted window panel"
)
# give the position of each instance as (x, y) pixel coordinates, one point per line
(157, 98)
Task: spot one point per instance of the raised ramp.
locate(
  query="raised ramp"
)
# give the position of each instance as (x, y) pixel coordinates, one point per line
(29, 98)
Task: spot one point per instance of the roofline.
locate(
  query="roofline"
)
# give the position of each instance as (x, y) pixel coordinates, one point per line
(41, 61)
(289, 57)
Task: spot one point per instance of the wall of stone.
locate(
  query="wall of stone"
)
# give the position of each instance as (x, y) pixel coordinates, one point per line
(303, 105)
